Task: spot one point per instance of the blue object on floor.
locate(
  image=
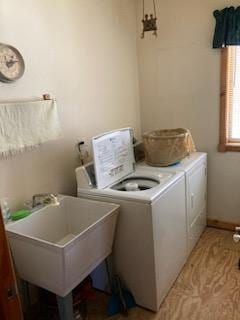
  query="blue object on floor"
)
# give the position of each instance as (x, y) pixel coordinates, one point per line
(121, 299)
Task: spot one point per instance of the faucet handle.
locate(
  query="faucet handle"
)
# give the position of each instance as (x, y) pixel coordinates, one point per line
(236, 236)
(44, 198)
(51, 199)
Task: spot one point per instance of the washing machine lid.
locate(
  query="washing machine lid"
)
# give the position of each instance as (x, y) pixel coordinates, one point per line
(113, 156)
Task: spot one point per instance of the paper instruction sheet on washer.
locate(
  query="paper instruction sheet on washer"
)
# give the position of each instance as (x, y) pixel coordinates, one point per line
(113, 156)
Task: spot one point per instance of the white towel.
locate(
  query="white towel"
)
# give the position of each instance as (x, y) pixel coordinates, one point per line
(25, 125)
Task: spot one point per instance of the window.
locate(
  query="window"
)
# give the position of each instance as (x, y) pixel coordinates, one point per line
(230, 100)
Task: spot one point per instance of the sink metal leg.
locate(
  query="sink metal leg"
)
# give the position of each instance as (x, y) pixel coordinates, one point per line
(24, 287)
(65, 307)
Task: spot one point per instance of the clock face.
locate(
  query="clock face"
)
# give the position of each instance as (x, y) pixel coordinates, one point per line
(11, 63)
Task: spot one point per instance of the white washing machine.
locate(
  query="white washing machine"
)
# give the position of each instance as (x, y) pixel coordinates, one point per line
(151, 237)
(195, 169)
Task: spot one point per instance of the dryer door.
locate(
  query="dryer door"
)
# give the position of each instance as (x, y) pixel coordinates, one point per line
(196, 202)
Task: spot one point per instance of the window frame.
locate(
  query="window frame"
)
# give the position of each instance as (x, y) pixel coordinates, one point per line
(224, 143)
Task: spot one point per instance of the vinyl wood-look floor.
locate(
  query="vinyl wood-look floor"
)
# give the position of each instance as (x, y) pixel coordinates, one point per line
(208, 287)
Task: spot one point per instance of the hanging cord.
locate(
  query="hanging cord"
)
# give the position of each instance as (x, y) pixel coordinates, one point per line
(155, 16)
(154, 8)
(143, 10)
(142, 34)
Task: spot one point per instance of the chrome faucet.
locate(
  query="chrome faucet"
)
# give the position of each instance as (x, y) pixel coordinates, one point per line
(44, 198)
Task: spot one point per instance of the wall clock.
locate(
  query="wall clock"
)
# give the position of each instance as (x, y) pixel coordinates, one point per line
(11, 63)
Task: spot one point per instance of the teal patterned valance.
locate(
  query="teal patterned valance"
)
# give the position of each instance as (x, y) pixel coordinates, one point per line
(227, 30)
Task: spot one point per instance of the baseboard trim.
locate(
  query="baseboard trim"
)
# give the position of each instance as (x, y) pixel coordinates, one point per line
(222, 224)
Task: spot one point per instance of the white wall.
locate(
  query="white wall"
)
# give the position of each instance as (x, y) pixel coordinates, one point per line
(179, 85)
(83, 53)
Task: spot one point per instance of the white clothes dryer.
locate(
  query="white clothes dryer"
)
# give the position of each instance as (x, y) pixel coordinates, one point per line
(195, 169)
(151, 238)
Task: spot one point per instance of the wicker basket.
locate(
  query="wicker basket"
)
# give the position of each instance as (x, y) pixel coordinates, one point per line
(166, 147)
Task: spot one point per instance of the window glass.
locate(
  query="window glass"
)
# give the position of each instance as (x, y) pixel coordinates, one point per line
(234, 116)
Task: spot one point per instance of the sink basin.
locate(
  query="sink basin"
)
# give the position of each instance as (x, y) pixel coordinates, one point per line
(56, 247)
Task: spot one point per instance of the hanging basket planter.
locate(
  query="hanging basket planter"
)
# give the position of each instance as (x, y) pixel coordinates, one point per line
(149, 21)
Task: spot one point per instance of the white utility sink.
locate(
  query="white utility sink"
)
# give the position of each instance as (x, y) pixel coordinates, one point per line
(56, 247)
